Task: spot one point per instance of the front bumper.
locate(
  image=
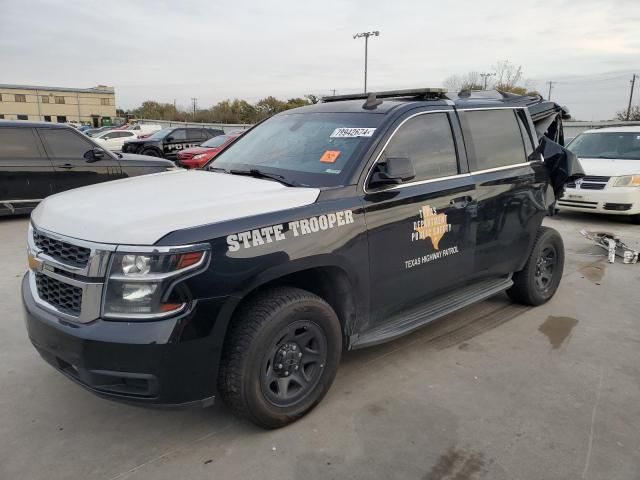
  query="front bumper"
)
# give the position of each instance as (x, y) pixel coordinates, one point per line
(133, 362)
(610, 200)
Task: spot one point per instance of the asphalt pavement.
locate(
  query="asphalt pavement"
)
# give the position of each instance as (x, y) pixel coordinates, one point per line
(496, 391)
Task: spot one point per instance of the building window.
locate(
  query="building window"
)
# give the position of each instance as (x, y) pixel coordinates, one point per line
(1, 116)
(0, 97)
(62, 119)
(21, 98)
(45, 99)
(59, 100)
(23, 117)
(47, 118)
(105, 101)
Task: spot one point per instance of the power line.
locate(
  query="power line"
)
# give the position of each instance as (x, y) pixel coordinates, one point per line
(633, 84)
(194, 102)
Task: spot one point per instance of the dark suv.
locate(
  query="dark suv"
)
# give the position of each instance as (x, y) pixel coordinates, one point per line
(39, 159)
(339, 225)
(168, 142)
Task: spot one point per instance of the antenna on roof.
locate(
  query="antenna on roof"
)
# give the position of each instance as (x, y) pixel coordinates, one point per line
(372, 102)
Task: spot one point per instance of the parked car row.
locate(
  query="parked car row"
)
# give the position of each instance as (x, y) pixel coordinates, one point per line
(168, 142)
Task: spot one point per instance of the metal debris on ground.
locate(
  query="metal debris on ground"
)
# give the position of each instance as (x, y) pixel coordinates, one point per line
(613, 245)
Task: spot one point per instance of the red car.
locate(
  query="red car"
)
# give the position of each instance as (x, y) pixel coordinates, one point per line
(197, 157)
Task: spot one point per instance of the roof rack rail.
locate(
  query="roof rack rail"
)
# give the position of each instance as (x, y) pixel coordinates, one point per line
(421, 93)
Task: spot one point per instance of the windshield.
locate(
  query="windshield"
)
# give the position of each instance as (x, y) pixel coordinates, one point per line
(160, 134)
(215, 141)
(622, 145)
(311, 149)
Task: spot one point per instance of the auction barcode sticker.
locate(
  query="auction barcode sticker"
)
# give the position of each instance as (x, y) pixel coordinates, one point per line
(350, 132)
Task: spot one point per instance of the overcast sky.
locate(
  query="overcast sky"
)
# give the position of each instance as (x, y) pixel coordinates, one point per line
(166, 50)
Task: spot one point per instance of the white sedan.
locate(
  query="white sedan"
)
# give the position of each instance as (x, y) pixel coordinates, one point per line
(114, 139)
(610, 158)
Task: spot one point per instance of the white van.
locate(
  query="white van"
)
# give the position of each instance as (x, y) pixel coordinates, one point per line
(610, 158)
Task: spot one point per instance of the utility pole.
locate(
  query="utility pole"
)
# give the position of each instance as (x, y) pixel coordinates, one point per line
(550, 87)
(366, 36)
(333, 90)
(486, 77)
(194, 102)
(633, 84)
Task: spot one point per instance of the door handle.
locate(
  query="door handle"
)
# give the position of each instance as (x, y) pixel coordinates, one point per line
(66, 166)
(461, 202)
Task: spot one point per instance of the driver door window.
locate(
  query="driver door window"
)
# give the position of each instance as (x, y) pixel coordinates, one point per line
(179, 135)
(426, 140)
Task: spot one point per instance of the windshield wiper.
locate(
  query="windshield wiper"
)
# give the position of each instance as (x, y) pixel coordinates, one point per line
(254, 172)
(217, 169)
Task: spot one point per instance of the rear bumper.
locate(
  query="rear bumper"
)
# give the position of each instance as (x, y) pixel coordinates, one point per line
(131, 362)
(611, 200)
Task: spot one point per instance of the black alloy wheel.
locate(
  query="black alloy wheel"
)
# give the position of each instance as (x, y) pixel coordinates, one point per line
(292, 367)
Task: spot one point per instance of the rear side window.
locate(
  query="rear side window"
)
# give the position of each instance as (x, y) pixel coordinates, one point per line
(63, 143)
(427, 140)
(18, 143)
(493, 138)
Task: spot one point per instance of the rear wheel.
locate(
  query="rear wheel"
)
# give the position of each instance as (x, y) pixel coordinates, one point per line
(280, 356)
(540, 278)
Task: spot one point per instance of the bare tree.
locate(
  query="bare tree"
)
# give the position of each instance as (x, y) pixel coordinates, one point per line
(634, 114)
(469, 81)
(507, 76)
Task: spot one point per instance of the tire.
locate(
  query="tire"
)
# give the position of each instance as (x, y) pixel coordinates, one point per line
(280, 356)
(151, 152)
(540, 278)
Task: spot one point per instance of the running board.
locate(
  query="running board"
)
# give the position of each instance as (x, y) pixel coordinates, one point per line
(418, 317)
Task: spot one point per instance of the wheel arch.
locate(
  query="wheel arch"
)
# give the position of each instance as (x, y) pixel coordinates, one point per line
(330, 281)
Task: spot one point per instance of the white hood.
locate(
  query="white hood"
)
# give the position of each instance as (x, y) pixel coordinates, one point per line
(141, 210)
(609, 168)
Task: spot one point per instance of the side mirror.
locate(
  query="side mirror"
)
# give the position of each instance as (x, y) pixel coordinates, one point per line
(392, 171)
(168, 139)
(94, 155)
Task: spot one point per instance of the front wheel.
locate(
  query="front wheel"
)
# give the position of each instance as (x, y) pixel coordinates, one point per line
(280, 356)
(540, 278)
(151, 152)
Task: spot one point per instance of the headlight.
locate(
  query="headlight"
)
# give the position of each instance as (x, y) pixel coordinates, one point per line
(200, 156)
(627, 181)
(147, 285)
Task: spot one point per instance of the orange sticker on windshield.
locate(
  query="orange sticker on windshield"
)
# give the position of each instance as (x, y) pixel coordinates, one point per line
(330, 156)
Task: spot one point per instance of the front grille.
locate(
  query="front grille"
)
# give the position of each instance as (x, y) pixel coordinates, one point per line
(62, 251)
(592, 186)
(591, 182)
(65, 297)
(620, 207)
(577, 204)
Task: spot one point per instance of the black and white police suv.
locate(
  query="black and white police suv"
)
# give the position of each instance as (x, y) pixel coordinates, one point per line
(168, 142)
(338, 225)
